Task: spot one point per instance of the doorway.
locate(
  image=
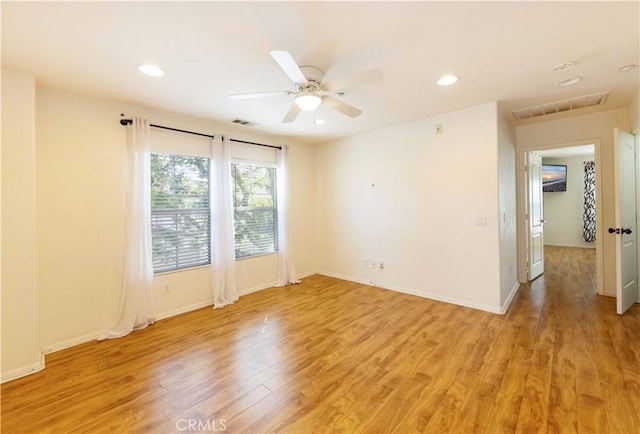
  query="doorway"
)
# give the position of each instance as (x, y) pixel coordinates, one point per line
(563, 219)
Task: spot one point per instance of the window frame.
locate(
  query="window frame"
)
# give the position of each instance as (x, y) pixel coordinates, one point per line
(181, 212)
(274, 166)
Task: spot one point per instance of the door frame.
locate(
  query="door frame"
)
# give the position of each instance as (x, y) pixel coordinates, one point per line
(636, 134)
(522, 205)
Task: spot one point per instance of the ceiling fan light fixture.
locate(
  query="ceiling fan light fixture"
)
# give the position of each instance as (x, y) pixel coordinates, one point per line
(308, 102)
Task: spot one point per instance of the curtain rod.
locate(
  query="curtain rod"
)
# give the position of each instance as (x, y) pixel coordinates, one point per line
(256, 144)
(129, 121)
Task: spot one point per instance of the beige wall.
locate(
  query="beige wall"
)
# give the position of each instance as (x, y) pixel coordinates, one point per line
(20, 343)
(419, 216)
(563, 210)
(634, 113)
(507, 213)
(81, 200)
(598, 126)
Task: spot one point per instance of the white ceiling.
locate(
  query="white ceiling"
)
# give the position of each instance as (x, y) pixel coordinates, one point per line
(502, 51)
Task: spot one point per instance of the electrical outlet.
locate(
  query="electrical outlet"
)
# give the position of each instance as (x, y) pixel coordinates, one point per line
(167, 288)
(374, 265)
(439, 129)
(381, 265)
(365, 263)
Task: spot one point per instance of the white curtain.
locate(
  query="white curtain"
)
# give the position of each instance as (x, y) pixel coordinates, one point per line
(136, 304)
(223, 261)
(286, 267)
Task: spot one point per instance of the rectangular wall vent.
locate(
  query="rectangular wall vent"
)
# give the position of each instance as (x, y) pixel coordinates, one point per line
(561, 106)
(243, 122)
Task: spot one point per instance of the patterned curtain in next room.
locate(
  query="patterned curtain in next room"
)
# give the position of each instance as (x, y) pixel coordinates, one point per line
(589, 214)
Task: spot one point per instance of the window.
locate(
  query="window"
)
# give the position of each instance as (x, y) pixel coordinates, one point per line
(254, 209)
(180, 212)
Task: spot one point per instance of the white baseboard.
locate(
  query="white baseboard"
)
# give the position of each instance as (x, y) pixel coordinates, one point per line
(23, 371)
(184, 309)
(256, 288)
(271, 284)
(427, 295)
(59, 346)
(512, 293)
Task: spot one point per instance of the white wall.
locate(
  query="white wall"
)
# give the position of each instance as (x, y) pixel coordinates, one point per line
(20, 343)
(587, 128)
(507, 209)
(81, 206)
(419, 216)
(563, 210)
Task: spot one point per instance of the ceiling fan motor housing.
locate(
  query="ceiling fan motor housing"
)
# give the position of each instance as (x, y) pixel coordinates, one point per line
(313, 75)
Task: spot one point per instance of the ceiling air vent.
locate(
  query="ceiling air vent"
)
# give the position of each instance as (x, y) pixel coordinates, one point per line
(561, 106)
(243, 122)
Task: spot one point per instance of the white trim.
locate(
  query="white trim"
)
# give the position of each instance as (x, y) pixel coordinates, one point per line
(254, 162)
(272, 284)
(184, 309)
(507, 302)
(256, 288)
(59, 346)
(521, 197)
(427, 295)
(23, 371)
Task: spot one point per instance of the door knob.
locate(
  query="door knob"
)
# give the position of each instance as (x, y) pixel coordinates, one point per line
(542, 220)
(614, 230)
(626, 231)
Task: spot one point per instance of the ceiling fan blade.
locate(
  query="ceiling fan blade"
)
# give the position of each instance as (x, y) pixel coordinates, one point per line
(289, 66)
(362, 77)
(342, 107)
(291, 114)
(259, 94)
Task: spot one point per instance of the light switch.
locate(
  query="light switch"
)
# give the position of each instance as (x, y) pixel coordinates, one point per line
(481, 220)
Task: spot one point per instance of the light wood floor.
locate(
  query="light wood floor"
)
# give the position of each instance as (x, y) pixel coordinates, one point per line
(334, 356)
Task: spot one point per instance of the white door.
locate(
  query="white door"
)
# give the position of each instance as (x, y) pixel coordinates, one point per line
(625, 230)
(535, 214)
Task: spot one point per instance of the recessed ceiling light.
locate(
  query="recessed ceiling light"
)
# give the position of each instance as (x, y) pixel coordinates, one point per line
(565, 66)
(319, 122)
(627, 67)
(447, 80)
(151, 70)
(569, 82)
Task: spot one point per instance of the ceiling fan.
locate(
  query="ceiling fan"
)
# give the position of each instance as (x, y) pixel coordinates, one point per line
(311, 91)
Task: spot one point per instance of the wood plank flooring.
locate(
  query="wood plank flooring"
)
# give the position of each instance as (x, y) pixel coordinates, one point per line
(335, 356)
